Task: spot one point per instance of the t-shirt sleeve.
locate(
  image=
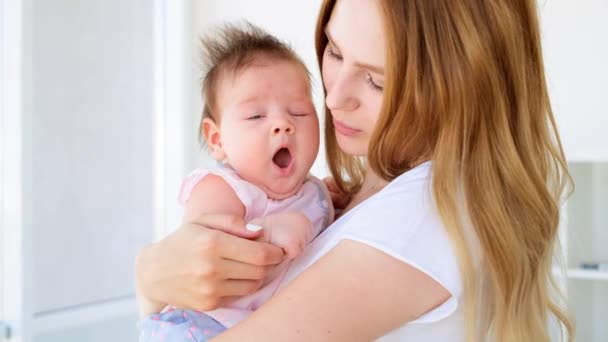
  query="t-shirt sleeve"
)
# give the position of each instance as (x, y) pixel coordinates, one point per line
(400, 224)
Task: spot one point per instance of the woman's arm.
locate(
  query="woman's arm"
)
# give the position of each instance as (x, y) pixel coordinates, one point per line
(354, 293)
(212, 195)
(202, 264)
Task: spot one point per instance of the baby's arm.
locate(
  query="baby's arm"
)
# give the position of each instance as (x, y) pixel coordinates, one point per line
(212, 195)
(291, 231)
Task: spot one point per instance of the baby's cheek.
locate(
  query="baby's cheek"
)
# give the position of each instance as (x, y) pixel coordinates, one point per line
(311, 135)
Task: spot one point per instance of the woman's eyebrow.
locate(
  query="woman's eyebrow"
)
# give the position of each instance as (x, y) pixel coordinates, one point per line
(376, 69)
(331, 40)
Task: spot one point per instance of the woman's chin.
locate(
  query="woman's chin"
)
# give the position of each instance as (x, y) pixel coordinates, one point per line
(351, 146)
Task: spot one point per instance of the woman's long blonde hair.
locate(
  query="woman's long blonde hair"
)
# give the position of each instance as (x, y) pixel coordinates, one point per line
(465, 87)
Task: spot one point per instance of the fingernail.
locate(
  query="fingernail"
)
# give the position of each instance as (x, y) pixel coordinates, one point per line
(253, 227)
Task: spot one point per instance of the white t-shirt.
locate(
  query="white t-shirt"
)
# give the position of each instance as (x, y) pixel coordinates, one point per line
(402, 221)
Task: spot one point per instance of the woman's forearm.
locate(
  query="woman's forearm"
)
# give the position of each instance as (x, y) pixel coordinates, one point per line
(197, 265)
(145, 304)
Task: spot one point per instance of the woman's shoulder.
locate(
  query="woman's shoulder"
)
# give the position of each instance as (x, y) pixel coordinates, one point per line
(418, 177)
(402, 221)
(408, 195)
(399, 217)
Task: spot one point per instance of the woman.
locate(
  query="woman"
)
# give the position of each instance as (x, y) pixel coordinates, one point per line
(452, 216)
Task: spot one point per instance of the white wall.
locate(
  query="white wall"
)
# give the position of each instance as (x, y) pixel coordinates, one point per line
(575, 37)
(11, 287)
(87, 183)
(292, 21)
(88, 137)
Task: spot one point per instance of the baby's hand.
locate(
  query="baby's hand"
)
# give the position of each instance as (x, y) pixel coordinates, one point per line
(290, 231)
(339, 198)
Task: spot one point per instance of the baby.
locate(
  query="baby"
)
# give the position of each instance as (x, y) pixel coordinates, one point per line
(260, 124)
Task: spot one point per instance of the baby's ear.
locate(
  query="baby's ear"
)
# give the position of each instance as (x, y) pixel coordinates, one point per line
(211, 133)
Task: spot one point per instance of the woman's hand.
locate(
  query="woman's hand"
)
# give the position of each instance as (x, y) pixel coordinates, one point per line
(200, 266)
(339, 198)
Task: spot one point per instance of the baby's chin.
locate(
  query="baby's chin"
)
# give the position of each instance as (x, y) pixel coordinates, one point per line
(282, 189)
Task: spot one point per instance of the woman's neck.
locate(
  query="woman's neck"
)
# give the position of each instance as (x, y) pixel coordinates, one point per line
(372, 184)
(372, 181)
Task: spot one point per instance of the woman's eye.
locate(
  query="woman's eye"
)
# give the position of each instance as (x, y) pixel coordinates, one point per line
(374, 85)
(332, 54)
(255, 117)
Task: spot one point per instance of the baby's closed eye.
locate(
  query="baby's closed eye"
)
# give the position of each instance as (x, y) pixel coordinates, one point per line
(255, 117)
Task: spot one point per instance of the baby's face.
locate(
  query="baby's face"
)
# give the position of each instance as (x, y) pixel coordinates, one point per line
(269, 129)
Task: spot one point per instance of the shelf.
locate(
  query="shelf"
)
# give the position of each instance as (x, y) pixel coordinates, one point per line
(575, 273)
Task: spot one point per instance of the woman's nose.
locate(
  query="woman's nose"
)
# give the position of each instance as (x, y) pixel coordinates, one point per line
(282, 126)
(340, 95)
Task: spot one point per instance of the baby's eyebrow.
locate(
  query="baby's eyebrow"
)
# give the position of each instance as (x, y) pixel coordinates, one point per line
(248, 100)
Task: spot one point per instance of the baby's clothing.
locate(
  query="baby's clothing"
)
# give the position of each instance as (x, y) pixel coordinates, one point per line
(174, 325)
(312, 200)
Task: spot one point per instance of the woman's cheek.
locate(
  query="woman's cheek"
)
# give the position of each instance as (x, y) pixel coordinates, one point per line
(372, 104)
(328, 72)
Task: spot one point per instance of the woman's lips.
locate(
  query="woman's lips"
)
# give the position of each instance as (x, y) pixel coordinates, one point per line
(346, 130)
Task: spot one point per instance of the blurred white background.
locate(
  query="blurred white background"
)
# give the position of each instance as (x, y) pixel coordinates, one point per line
(99, 108)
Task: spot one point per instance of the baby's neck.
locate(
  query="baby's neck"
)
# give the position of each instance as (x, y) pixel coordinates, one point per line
(274, 197)
(262, 187)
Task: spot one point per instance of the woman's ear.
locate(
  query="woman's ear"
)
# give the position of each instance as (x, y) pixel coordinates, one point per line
(212, 135)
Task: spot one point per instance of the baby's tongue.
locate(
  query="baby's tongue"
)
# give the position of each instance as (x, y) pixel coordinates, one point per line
(282, 158)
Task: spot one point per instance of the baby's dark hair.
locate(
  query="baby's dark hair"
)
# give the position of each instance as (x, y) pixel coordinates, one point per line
(233, 47)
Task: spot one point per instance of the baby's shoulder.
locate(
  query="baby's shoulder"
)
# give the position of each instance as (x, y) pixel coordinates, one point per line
(218, 180)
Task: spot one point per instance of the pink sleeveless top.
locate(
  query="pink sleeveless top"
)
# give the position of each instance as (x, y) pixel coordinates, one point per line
(312, 200)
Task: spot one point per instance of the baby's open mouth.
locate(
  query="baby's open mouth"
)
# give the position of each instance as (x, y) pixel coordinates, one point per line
(282, 158)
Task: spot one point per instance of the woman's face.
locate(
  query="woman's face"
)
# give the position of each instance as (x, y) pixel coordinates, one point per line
(353, 72)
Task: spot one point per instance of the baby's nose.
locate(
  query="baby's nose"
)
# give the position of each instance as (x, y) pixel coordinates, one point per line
(282, 126)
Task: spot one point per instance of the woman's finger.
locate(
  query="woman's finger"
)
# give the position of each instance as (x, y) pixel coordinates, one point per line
(335, 197)
(237, 270)
(236, 288)
(331, 185)
(248, 252)
(226, 301)
(230, 224)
